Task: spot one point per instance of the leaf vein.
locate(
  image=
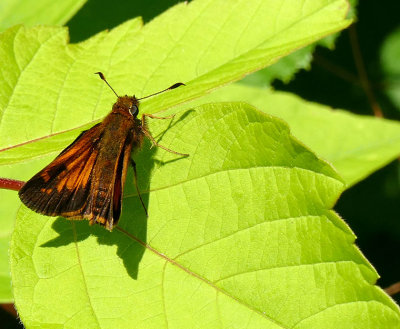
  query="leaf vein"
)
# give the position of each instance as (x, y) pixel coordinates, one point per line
(286, 267)
(243, 230)
(24, 69)
(340, 304)
(209, 283)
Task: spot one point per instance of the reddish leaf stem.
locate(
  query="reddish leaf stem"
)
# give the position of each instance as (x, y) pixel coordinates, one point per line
(362, 72)
(9, 308)
(11, 184)
(393, 289)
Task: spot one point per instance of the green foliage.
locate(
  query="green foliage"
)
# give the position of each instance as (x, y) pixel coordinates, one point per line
(240, 234)
(355, 145)
(32, 12)
(284, 69)
(287, 66)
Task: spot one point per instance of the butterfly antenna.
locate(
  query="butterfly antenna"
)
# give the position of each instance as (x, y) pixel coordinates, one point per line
(176, 85)
(102, 77)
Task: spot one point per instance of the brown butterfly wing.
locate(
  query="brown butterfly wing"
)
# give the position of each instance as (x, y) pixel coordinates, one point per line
(86, 180)
(64, 185)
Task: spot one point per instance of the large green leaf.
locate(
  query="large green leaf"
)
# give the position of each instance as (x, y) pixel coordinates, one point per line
(176, 46)
(355, 145)
(32, 12)
(240, 234)
(48, 92)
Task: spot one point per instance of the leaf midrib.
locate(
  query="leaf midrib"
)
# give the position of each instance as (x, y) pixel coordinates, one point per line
(193, 274)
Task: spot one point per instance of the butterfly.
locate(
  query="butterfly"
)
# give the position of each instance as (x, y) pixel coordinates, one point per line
(86, 180)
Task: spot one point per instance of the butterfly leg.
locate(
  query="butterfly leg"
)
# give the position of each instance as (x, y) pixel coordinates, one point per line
(133, 163)
(148, 135)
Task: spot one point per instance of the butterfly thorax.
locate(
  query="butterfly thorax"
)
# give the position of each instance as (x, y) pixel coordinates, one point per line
(123, 121)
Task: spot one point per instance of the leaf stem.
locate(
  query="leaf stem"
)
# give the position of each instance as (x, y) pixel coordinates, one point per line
(11, 184)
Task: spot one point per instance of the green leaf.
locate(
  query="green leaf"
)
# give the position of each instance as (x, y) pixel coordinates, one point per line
(355, 145)
(240, 234)
(7, 214)
(285, 69)
(33, 12)
(48, 92)
(8, 211)
(176, 46)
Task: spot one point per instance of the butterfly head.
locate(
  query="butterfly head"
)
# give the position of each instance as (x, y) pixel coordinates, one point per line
(127, 104)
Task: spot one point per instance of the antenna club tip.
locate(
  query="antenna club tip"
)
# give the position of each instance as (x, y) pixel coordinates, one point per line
(101, 75)
(104, 79)
(176, 85)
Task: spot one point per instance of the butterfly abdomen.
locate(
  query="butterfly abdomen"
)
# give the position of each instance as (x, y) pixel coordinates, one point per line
(100, 206)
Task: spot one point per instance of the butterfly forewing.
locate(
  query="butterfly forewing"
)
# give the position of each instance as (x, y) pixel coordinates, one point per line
(77, 185)
(64, 184)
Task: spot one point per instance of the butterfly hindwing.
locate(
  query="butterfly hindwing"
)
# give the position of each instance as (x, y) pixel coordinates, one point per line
(120, 176)
(105, 199)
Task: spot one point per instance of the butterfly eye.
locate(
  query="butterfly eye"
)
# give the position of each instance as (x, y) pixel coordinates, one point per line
(134, 110)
